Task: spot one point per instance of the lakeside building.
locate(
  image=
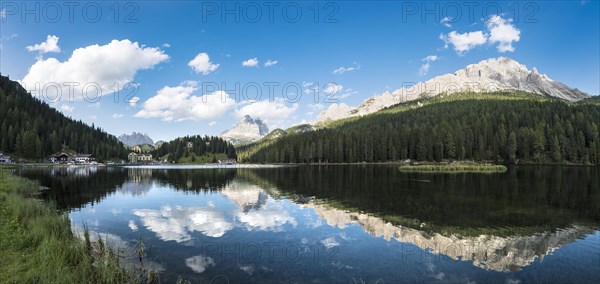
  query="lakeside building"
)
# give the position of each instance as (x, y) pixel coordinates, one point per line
(66, 158)
(84, 159)
(227, 161)
(4, 159)
(61, 157)
(135, 158)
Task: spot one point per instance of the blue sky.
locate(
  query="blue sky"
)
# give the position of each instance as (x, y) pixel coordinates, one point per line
(375, 46)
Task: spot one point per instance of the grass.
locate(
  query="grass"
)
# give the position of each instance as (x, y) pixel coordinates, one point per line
(454, 168)
(38, 246)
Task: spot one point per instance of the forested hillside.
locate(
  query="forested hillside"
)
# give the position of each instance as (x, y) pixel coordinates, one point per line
(500, 127)
(31, 129)
(195, 149)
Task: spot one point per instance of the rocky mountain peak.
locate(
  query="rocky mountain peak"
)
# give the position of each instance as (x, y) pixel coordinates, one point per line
(494, 74)
(246, 131)
(135, 138)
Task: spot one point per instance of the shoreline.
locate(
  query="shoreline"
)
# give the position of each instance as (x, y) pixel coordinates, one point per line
(38, 244)
(279, 165)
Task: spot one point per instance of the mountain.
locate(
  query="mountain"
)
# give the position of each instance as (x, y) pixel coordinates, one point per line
(135, 139)
(246, 131)
(31, 129)
(275, 134)
(495, 74)
(159, 143)
(503, 127)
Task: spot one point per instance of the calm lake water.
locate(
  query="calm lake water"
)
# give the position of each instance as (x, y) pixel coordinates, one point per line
(342, 224)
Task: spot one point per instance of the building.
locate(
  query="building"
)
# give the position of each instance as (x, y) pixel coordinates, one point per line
(137, 149)
(5, 159)
(135, 158)
(227, 161)
(84, 159)
(60, 158)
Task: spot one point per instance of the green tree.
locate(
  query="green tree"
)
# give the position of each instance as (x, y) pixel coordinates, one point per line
(512, 147)
(450, 147)
(556, 155)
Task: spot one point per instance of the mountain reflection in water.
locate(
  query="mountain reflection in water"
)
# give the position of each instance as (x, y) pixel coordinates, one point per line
(498, 222)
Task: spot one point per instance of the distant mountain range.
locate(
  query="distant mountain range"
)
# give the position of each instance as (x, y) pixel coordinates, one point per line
(495, 74)
(135, 139)
(246, 131)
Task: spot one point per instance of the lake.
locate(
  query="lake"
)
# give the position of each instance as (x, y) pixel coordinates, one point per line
(341, 223)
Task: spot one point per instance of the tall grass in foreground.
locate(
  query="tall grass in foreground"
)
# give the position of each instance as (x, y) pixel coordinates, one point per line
(38, 246)
(455, 168)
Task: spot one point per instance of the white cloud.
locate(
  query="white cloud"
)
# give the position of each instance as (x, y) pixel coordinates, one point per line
(50, 45)
(133, 101)
(267, 109)
(95, 69)
(308, 84)
(345, 94)
(67, 108)
(330, 243)
(503, 32)
(343, 69)
(212, 123)
(500, 31)
(272, 216)
(199, 263)
(132, 225)
(430, 58)
(178, 104)
(464, 42)
(252, 62)
(316, 107)
(117, 115)
(7, 38)
(332, 88)
(310, 87)
(446, 22)
(201, 64)
(335, 91)
(270, 63)
(424, 69)
(166, 45)
(249, 269)
(2, 14)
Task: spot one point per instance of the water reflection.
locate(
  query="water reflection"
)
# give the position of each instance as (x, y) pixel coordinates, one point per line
(500, 223)
(255, 211)
(176, 223)
(199, 263)
(498, 253)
